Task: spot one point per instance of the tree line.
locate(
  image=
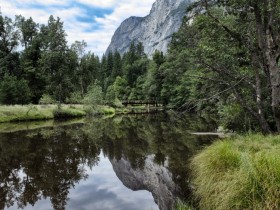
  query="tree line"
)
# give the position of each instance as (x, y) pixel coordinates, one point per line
(37, 65)
(223, 60)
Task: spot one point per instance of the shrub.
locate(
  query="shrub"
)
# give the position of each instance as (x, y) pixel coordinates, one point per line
(75, 98)
(233, 117)
(94, 95)
(46, 99)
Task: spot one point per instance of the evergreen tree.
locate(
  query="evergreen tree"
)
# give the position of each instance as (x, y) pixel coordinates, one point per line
(55, 60)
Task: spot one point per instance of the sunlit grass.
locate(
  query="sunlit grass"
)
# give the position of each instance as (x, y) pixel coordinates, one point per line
(17, 113)
(240, 173)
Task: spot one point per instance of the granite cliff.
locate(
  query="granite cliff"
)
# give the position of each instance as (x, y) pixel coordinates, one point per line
(154, 31)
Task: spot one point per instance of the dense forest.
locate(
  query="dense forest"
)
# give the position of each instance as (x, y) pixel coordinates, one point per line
(223, 61)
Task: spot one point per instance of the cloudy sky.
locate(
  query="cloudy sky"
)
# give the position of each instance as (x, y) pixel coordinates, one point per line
(93, 21)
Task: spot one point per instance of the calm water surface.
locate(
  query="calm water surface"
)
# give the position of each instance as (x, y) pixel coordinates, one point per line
(121, 163)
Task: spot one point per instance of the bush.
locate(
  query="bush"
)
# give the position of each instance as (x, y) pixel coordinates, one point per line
(94, 95)
(243, 173)
(234, 117)
(75, 98)
(117, 103)
(46, 99)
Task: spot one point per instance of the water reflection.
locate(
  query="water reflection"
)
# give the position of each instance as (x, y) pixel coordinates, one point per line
(52, 161)
(146, 153)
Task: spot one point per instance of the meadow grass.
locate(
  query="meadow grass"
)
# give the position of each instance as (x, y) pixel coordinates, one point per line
(18, 113)
(182, 206)
(238, 173)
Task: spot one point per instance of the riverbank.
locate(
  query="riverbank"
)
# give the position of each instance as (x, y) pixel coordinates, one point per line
(238, 173)
(19, 113)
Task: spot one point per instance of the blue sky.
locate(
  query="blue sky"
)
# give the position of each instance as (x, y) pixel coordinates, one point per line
(93, 21)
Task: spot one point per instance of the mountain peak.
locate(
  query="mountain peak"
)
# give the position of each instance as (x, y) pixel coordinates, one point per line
(154, 31)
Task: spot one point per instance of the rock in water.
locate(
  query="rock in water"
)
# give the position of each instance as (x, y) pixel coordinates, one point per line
(154, 31)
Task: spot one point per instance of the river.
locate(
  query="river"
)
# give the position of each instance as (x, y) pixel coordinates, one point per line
(127, 162)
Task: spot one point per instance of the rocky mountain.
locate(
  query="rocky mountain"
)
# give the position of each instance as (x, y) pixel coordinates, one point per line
(153, 178)
(154, 31)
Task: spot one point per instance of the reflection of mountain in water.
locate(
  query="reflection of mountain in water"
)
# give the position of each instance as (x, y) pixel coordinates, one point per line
(152, 177)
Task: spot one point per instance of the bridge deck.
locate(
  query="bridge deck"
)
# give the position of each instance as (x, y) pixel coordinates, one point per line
(141, 103)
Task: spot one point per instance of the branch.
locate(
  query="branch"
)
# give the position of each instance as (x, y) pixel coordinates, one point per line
(232, 33)
(212, 97)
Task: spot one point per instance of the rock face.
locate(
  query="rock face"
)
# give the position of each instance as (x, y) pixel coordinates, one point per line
(154, 31)
(153, 178)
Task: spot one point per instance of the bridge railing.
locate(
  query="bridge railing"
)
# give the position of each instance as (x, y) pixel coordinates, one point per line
(141, 103)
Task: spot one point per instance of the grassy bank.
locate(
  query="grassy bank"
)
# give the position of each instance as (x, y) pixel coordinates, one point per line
(18, 113)
(239, 173)
(182, 206)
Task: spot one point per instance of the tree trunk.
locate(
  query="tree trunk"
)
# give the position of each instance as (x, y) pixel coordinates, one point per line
(268, 48)
(262, 120)
(275, 86)
(82, 87)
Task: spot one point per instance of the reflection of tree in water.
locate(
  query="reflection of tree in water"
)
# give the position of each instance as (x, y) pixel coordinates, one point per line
(121, 138)
(166, 136)
(50, 161)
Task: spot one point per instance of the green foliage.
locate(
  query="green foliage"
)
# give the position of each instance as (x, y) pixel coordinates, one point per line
(75, 98)
(47, 99)
(117, 103)
(94, 98)
(14, 91)
(240, 173)
(233, 117)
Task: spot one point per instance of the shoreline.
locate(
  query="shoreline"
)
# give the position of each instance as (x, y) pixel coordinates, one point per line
(30, 113)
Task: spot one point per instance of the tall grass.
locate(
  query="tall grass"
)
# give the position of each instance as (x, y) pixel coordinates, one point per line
(25, 113)
(36, 112)
(240, 173)
(182, 206)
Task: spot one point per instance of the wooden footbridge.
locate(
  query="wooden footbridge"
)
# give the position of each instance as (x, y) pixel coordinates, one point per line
(142, 107)
(141, 103)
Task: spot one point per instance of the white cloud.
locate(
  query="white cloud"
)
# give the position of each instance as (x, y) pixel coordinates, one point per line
(97, 38)
(44, 3)
(99, 3)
